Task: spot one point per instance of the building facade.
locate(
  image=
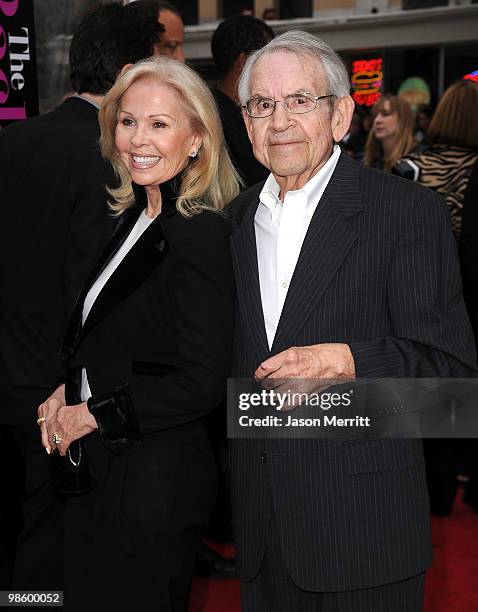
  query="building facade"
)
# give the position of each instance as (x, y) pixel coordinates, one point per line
(435, 40)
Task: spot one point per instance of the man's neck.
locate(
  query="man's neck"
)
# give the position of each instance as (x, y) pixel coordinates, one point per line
(228, 86)
(94, 98)
(298, 181)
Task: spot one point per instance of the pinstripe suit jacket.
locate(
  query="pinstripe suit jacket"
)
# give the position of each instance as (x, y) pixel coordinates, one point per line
(378, 270)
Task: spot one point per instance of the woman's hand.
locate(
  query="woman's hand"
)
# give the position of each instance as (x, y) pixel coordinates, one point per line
(68, 422)
(48, 407)
(58, 394)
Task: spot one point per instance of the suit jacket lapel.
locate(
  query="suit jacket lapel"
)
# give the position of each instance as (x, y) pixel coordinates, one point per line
(326, 244)
(133, 270)
(244, 252)
(122, 229)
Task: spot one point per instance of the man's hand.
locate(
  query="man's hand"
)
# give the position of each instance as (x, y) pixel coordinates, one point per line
(333, 362)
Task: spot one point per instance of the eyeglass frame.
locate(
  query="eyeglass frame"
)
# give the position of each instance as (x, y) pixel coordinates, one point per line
(304, 93)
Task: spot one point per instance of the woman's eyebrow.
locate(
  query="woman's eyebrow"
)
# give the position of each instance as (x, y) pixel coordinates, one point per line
(149, 116)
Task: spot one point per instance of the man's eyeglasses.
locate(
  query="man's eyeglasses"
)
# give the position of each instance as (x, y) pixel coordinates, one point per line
(297, 104)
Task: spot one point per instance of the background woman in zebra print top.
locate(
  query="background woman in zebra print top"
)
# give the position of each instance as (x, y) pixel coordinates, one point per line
(447, 163)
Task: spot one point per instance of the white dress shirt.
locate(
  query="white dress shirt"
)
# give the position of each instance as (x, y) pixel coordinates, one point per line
(140, 226)
(280, 231)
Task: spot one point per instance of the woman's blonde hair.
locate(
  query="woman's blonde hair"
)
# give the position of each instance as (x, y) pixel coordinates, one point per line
(209, 181)
(404, 140)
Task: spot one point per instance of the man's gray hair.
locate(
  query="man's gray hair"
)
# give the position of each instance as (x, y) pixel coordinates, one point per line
(305, 44)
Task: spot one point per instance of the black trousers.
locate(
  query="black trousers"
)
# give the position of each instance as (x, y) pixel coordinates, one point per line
(274, 591)
(38, 559)
(11, 519)
(130, 543)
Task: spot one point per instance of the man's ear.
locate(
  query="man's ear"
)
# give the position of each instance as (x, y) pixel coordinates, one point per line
(240, 61)
(125, 68)
(342, 117)
(248, 122)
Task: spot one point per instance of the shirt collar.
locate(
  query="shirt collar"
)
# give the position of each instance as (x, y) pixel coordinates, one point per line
(313, 189)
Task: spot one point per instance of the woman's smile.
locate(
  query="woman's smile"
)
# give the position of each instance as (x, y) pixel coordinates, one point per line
(144, 162)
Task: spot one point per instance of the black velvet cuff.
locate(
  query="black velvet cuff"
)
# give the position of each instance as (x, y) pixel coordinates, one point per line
(116, 418)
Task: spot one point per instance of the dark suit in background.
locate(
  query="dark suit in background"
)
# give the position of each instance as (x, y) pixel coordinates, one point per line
(233, 41)
(55, 220)
(378, 270)
(238, 143)
(55, 223)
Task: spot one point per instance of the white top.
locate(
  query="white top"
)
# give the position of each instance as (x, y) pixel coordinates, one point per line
(280, 231)
(139, 227)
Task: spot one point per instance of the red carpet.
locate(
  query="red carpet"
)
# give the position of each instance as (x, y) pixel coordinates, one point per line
(452, 582)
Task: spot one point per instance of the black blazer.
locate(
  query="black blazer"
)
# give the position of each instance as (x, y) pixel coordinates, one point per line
(54, 223)
(378, 270)
(157, 341)
(157, 348)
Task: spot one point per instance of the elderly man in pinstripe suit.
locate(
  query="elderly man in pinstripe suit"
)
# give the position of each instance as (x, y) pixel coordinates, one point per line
(342, 271)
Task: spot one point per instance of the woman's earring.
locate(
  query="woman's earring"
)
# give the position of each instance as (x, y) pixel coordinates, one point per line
(193, 154)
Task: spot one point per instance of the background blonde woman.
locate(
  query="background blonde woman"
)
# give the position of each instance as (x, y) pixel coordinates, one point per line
(147, 351)
(391, 136)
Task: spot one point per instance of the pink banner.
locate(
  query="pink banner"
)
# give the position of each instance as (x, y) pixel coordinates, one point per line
(18, 79)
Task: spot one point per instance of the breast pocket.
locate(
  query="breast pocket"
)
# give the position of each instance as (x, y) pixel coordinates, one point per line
(151, 368)
(366, 456)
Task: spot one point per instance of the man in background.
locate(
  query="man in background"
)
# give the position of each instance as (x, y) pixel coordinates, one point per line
(54, 210)
(234, 39)
(171, 42)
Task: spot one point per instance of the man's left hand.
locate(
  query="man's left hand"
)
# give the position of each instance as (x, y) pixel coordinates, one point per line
(332, 361)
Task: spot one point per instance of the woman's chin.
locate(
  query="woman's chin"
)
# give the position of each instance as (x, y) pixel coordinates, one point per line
(141, 180)
(145, 179)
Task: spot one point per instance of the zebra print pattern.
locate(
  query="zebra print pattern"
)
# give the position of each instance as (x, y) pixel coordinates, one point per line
(446, 169)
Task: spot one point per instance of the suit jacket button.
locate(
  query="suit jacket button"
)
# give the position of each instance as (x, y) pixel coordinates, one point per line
(264, 457)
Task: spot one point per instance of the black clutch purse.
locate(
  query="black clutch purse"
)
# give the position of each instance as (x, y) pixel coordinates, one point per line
(70, 475)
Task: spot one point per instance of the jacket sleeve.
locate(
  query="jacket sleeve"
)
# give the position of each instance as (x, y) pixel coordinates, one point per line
(203, 294)
(432, 335)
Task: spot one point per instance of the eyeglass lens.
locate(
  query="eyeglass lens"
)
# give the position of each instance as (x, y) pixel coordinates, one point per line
(295, 103)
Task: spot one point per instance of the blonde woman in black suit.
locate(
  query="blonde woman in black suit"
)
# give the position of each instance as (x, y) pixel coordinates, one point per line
(148, 348)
